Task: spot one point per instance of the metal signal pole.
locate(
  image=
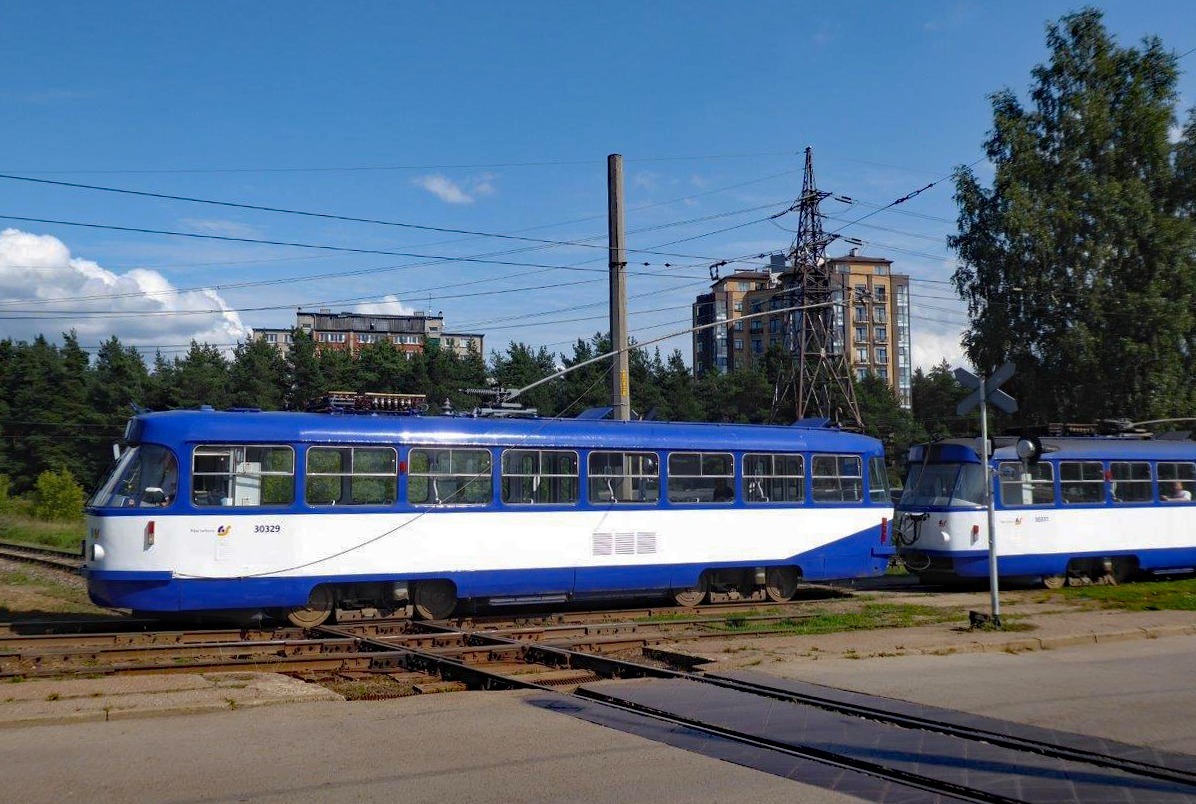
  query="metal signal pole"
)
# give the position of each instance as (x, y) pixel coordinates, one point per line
(620, 392)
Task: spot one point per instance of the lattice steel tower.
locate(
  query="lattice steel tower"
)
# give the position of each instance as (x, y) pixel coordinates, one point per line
(819, 380)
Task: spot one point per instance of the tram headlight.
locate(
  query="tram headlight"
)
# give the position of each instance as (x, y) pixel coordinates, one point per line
(1029, 449)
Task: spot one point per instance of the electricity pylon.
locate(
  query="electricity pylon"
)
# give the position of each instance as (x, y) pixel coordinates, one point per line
(818, 382)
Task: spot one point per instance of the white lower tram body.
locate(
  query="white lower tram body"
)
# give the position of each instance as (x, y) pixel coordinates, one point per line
(1048, 542)
(249, 560)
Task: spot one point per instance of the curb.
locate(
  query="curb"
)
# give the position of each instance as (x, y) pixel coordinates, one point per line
(1029, 643)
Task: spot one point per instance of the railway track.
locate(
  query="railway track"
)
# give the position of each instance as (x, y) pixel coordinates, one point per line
(850, 741)
(614, 672)
(42, 555)
(350, 648)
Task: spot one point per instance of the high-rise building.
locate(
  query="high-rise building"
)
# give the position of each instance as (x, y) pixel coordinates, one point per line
(876, 326)
(872, 324)
(725, 348)
(351, 331)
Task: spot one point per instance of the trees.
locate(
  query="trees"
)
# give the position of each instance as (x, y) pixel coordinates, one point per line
(201, 378)
(1077, 262)
(521, 366)
(885, 419)
(303, 369)
(258, 376)
(934, 396)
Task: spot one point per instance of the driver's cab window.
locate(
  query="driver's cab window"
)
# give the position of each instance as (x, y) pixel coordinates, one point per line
(145, 476)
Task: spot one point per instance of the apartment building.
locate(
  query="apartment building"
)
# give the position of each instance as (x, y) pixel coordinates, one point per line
(725, 348)
(871, 326)
(351, 331)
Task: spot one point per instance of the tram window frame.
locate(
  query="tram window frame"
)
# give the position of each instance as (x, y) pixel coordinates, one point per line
(242, 484)
(764, 482)
(1087, 487)
(1134, 477)
(562, 487)
(464, 486)
(1038, 486)
(830, 487)
(644, 487)
(1182, 471)
(708, 481)
(350, 484)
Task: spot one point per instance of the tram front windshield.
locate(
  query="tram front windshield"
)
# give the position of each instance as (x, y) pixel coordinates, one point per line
(145, 475)
(944, 484)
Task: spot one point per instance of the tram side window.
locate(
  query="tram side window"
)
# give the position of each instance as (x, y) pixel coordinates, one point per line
(351, 476)
(539, 477)
(1024, 486)
(774, 478)
(242, 475)
(1177, 482)
(837, 478)
(1130, 481)
(628, 477)
(701, 477)
(878, 480)
(1082, 482)
(450, 477)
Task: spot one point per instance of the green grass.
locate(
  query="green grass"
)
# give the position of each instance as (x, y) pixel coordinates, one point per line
(668, 616)
(869, 616)
(18, 526)
(1141, 596)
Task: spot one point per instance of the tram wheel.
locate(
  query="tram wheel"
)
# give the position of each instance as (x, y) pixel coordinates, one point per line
(317, 611)
(780, 584)
(1054, 581)
(692, 596)
(434, 600)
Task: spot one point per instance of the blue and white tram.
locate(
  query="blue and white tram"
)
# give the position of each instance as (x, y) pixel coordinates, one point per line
(305, 513)
(1088, 509)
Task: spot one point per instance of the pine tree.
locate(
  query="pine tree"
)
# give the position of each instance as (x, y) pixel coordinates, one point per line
(257, 376)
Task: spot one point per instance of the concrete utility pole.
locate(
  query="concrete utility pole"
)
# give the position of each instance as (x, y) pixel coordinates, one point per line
(620, 389)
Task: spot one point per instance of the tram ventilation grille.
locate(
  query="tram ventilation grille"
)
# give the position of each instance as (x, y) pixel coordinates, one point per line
(624, 543)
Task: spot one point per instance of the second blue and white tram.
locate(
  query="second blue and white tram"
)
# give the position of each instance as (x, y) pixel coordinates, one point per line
(1088, 509)
(302, 514)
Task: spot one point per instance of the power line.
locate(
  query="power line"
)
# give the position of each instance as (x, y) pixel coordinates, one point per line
(369, 168)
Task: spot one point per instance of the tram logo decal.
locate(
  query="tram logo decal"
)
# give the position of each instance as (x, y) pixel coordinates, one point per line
(223, 531)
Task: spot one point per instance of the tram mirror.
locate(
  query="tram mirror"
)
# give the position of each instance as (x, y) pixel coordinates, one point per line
(1029, 449)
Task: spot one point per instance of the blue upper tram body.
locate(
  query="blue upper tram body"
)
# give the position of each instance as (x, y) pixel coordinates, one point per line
(305, 513)
(1091, 508)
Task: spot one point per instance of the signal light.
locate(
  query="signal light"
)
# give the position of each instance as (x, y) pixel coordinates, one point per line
(884, 529)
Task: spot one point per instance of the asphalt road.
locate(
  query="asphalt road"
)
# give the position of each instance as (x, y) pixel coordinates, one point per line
(490, 747)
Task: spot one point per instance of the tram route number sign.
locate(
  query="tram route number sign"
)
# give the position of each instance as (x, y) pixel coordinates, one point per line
(993, 394)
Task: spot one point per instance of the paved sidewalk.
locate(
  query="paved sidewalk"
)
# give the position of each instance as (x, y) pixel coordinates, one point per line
(43, 701)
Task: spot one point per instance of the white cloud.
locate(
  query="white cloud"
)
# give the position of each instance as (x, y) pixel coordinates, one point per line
(46, 291)
(389, 305)
(451, 192)
(932, 346)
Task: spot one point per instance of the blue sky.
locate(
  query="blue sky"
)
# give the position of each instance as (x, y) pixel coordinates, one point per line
(493, 118)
